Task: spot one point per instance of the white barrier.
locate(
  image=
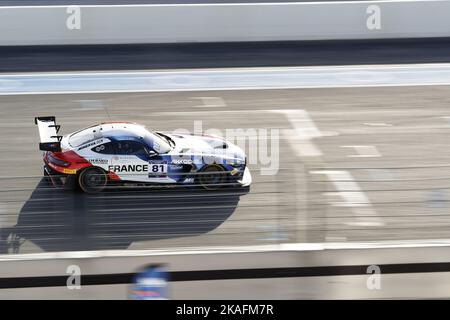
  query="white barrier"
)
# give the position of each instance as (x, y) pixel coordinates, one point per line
(172, 23)
(406, 283)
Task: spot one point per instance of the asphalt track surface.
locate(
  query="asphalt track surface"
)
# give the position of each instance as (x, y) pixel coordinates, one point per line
(376, 169)
(218, 55)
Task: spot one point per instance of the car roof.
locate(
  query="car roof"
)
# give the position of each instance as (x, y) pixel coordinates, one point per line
(121, 128)
(107, 130)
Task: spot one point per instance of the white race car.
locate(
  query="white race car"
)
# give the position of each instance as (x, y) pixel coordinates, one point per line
(117, 152)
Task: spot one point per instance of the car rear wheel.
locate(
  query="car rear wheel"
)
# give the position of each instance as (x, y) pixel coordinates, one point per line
(92, 180)
(212, 177)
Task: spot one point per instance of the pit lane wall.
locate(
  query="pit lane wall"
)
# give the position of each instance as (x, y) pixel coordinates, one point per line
(187, 23)
(285, 271)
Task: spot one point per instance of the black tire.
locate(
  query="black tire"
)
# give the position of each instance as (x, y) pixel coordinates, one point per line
(71, 182)
(92, 180)
(212, 177)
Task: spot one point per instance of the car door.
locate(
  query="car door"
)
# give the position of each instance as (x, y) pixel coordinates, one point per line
(131, 161)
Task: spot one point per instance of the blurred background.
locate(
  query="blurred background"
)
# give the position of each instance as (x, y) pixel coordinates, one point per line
(341, 106)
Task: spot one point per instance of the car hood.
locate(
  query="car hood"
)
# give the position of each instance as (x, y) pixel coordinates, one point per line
(206, 144)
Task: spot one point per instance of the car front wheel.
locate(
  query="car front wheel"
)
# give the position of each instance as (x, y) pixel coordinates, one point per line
(212, 177)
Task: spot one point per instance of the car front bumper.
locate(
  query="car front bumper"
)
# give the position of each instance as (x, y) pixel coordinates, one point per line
(246, 178)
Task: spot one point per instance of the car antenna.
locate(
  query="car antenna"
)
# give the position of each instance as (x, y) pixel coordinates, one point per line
(107, 112)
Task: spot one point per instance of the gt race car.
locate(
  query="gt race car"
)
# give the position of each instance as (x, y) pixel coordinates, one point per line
(112, 153)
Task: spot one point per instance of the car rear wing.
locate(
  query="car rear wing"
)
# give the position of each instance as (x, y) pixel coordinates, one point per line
(48, 133)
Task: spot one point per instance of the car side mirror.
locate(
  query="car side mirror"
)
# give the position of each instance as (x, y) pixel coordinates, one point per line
(151, 153)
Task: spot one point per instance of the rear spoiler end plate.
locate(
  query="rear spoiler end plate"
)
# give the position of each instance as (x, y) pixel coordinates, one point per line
(48, 134)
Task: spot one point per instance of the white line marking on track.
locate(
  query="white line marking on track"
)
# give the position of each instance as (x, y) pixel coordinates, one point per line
(335, 239)
(383, 244)
(86, 105)
(225, 79)
(211, 102)
(304, 131)
(363, 151)
(19, 93)
(377, 124)
(446, 118)
(301, 138)
(380, 67)
(353, 196)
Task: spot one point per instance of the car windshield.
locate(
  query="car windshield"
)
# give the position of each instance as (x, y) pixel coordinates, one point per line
(157, 142)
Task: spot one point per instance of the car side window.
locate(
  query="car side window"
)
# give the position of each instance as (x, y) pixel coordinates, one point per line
(130, 148)
(105, 148)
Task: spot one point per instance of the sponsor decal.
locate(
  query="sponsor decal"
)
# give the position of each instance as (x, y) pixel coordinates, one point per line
(158, 169)
(124, 158)
(98, 161)
(234, 171)
(100, 148)
(70, 171)
(189, 180)
(90, 144)
(182, 161)
(128, 168)
(157, 161)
